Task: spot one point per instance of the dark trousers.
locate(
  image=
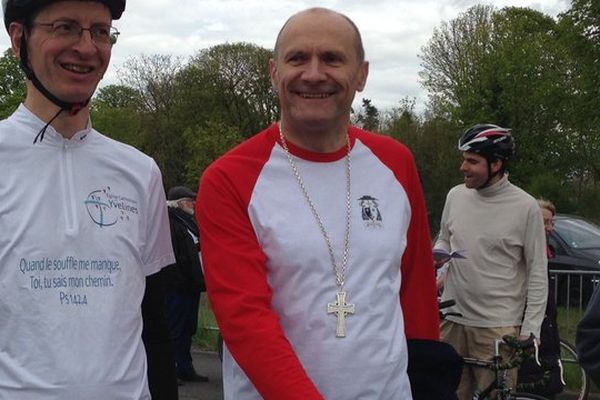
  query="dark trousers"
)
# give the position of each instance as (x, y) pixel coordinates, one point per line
(182, 316)
(162, 377)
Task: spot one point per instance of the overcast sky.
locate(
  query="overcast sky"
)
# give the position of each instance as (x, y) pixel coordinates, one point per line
(393, 32)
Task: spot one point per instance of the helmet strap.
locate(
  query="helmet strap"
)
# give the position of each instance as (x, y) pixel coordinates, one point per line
(490, 174)
(71, 108)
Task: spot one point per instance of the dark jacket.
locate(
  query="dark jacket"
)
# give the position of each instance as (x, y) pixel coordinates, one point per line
(434, 369)
(186, 273)
(587, 339)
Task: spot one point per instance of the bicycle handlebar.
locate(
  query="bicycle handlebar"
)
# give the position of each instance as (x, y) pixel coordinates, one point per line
(446, 304)
(522, 345)
(519, 344)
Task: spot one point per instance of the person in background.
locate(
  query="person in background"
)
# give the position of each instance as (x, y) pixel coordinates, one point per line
(316, 246)
(83, 217)
(531, 376)
(185, 281)
(587, 338)
(501, 285)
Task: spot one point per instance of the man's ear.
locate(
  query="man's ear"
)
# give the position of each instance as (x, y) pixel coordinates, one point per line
(16, 31)
(363, 73)
(273, 73)
(496, 165)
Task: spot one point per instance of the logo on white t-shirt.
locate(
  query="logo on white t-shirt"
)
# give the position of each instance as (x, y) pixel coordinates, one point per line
(370, 211)
(106, 208)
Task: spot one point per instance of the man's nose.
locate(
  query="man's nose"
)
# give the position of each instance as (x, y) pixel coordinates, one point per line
(85, 42)
(314, 70)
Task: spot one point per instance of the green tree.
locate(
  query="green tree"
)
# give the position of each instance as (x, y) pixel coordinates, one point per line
(456, 66)
(117, 96)
(154, 79)
(585, 17)
(529, 65)
(207, 143)
(368, 116)
(225, 95)
(231, 81)
(580, 116)
(505, 67)
(12, 84)
(115, 113)
(186, 106)
(433, 142)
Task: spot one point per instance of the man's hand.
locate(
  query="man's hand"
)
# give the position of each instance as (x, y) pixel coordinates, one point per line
(525, 337)
(439, 263)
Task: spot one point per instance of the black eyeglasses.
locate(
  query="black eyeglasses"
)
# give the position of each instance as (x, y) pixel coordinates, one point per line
(102, 35)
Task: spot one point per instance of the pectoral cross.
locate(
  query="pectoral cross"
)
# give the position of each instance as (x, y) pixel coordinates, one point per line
(340, 308)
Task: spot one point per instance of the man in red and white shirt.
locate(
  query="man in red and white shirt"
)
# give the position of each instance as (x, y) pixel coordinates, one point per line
(317, 252)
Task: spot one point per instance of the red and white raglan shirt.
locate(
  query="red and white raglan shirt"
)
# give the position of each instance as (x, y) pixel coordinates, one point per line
(83, 222)
(270, 278)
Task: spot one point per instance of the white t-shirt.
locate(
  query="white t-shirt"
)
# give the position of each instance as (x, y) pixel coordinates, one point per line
(83, 222)
(270, 279)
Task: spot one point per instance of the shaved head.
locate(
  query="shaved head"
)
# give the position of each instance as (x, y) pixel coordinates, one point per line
(360, 51)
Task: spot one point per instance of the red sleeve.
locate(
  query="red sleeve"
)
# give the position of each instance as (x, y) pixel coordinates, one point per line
(236, 280)
(418, 293)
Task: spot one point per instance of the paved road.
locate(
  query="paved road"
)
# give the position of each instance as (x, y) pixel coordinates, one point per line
(205, 363)
(208, 363)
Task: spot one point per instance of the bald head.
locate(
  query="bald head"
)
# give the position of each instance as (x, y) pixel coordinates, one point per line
(360, 51)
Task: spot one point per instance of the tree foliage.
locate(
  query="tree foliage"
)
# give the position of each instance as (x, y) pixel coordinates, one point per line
(207, 143)
(519, 68)
(233, 81)
(115, 112)
(186, 113)
(433, 142)
(456, 66)
(12, 84)
(368, 117)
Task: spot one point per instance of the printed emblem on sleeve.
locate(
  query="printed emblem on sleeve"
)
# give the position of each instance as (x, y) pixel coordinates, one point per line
(106, 208)
(370, 213)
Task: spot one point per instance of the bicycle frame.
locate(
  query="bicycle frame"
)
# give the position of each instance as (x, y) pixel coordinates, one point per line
(500, 384)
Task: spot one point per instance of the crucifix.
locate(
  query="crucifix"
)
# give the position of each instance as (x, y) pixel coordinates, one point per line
(340, 308)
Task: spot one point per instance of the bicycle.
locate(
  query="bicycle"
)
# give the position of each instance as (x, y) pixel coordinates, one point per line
(572, 376)
(500, 385)
(572, 372)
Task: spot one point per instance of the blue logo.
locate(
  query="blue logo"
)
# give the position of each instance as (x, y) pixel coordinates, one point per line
(106, 209)
(99, 208)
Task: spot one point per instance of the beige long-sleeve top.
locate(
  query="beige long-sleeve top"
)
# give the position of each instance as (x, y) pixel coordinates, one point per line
(503, 279)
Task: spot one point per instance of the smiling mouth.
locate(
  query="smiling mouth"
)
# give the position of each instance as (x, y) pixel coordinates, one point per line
(79, 69)
(314, 95)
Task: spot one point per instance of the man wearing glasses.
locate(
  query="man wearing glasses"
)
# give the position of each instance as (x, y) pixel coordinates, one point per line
(83, 217)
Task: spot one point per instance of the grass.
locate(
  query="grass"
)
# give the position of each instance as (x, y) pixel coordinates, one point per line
(567, 325)
(567, 322)
(208, 332)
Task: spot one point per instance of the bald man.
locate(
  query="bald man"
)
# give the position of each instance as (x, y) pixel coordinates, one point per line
(317, 251)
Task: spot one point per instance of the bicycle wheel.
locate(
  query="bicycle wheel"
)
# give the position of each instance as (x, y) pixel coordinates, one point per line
(575, 377)
(526, 396)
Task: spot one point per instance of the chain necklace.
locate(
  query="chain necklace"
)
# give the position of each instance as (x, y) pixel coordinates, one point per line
(340, 308)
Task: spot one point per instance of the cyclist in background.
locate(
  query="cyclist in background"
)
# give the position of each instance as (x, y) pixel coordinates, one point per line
(498, 227)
